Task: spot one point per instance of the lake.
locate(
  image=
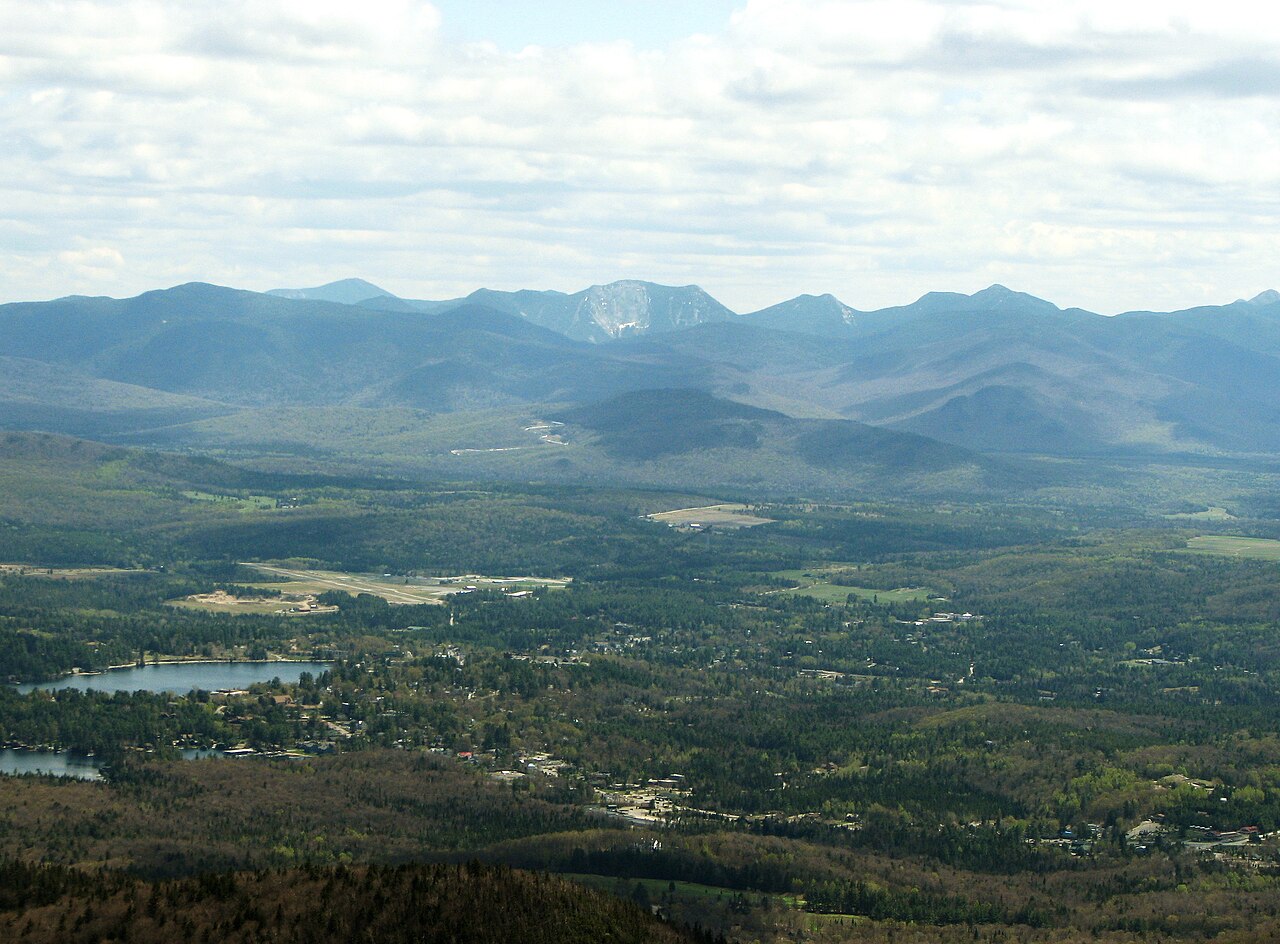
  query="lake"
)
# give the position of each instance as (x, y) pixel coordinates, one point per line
(58, 763)
(182, 677)
(79, 766)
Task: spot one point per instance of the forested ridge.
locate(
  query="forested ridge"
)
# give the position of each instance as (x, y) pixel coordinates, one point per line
(462, 904)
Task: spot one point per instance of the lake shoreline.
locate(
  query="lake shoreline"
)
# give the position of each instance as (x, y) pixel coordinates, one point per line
(146, 665)
(210, 675)
(68, 764)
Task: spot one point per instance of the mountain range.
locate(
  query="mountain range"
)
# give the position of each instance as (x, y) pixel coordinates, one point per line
(997, 370)
(627, 308)
(480, 379)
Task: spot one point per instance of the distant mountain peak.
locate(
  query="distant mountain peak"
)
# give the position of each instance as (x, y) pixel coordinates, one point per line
(640, 283)
(343, 291)
(621, 286)
(1269, 297)
(630, 307)
(991, 298)
(997, 294)
(624, 308)
(826, 298)
(808, 314)
(202, 291)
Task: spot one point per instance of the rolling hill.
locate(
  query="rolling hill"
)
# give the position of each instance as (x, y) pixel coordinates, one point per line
(646, 436)
(228, 347)
(1000, 370)
(823, 315)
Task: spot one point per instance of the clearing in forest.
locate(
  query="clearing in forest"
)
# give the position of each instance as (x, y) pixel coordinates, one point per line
(288, 604)
(67, 573)
(725, 515)
(396, 588)
(1229, 545)
(817, 583)
(1212, 513)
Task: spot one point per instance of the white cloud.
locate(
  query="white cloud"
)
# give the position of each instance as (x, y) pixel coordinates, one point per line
(100, 263)
(1100, 154)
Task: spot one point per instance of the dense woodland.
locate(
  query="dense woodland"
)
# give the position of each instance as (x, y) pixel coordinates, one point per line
(841, 759)
(388, 905)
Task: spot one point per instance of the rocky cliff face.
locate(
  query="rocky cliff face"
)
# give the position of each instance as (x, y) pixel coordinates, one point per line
(627, 308)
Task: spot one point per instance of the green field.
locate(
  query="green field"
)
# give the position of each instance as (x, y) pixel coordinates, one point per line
(817, 583)
(1212, 513)
(1226, 545)
(240, 503)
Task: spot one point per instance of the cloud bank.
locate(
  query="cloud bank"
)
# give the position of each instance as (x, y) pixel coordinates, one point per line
(1100, 154)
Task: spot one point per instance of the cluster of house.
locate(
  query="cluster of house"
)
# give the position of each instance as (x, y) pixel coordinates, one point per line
(224, 698)
(571, 657)
(649, 802)
(543, 763)
(1077, 843)
(1203, 838)
(539, 762)
(947, 618)
(1196, 838)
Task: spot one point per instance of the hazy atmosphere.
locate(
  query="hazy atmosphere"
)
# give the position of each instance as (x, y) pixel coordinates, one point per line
(1104, 155)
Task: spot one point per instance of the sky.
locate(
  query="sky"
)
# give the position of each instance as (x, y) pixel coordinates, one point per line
(1105, 155)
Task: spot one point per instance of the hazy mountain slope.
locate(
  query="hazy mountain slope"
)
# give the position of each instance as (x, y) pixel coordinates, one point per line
(1103, 383)
(204, 340)
(769, 368)
(669, 438)
(743, 347)
(259, 350)
(1011, 376)
(344, 292)
(997, 370)
(652, 423)
(69, 501)
(1007, 418)
(391, 303)
(486, 358)
(1253, 324)
(35, 395)
(1004, 370)
(29, 381)
(626, 308)
(619, 309)
(808, 314)
(534, 306)
(733, 443)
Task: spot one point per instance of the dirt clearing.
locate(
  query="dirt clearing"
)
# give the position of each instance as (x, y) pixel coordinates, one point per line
(726, 515)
